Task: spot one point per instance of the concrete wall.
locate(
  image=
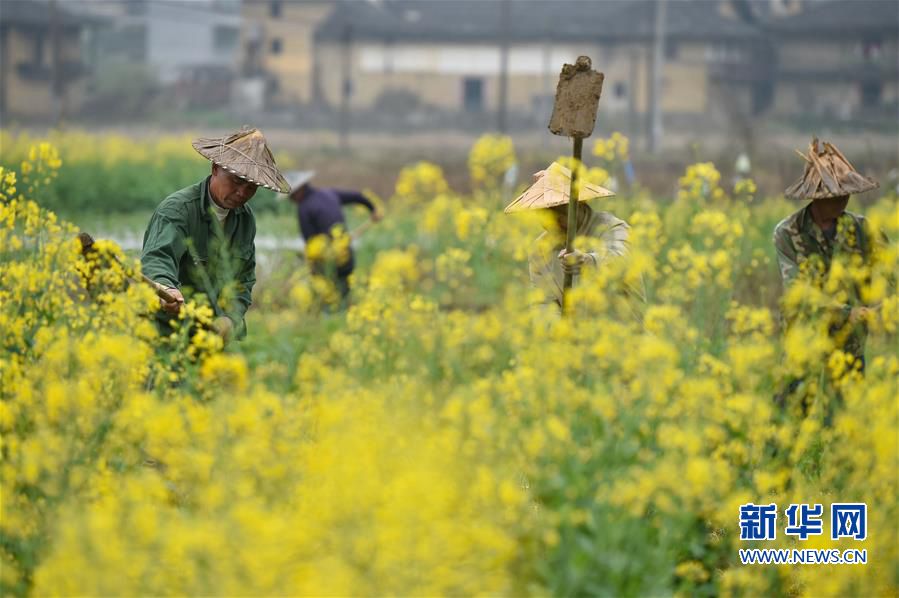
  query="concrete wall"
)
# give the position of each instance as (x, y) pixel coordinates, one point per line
(293, 67)
(826, 98)
(812, 55)
(180, 35)
(836, 90)
(436, 73)
(30, 98)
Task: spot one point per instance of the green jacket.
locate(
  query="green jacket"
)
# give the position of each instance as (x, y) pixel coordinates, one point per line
(186, 247)
(803, 250)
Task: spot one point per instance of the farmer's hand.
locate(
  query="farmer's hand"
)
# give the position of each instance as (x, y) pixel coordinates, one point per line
(174, 306)
(223, 326)
(860, 313)
(572, 262)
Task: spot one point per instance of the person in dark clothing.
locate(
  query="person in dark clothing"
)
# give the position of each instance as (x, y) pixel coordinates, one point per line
(320, 211)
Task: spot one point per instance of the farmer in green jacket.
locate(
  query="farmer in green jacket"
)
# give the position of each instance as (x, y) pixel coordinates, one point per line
(201, 239)
(808, 241)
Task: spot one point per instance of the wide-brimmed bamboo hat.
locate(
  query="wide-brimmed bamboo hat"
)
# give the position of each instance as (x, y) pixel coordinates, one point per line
(551, 189)
(246, 154)
(828, 174)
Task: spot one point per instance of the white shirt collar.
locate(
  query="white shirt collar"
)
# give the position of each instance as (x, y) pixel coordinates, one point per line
(220, 212)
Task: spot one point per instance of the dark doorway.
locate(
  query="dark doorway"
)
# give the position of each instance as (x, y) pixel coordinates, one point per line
(473, 94)
(871, 92)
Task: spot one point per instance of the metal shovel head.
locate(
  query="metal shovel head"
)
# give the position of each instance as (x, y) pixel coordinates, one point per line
(577, 99)
(87, 242)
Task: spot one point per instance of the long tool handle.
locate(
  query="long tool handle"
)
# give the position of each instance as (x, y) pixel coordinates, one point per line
(573, 194)
(160, 291)
(357, 232)
(87, 244)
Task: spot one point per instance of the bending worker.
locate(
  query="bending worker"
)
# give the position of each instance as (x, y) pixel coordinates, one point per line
(320, 211)
(201, 239)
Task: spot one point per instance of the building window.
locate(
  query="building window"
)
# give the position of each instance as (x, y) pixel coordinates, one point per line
(136, 7)
(871, 49)
(225, 39)
(473, 94)
(620, 90)
(871, 93)
(670, 49)
(388, 56)
(723, 52)
(37, 57)
(134, 38)
(277, 46)
(274, 9)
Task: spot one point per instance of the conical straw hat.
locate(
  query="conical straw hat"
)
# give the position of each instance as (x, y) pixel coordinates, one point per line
(246, 154)
(298, 178)
(827, 174)
(551, 189)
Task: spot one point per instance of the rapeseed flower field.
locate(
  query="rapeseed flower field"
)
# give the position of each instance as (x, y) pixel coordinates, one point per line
(444, 435)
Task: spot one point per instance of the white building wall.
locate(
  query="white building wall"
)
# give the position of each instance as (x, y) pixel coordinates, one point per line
(458, 59)
(183, 34)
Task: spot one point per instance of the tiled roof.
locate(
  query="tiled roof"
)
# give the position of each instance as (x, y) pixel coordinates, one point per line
(842, 17)
(36, 12)
(558, 20)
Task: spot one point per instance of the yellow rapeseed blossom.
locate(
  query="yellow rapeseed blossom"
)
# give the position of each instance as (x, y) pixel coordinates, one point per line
(700, 183)
(489, 159)
(615, 148)
(422, 181)
(441, 436)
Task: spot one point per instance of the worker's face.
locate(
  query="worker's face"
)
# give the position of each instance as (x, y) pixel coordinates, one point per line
(298, 194)
(560, 215)
(229, 190)
(832, 207)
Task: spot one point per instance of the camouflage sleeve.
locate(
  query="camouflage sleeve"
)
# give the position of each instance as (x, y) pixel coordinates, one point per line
(543, 278)
(879, 244)
(787, 259)
(786, 256)
(612, 241)
(877, 239)
(616, 244)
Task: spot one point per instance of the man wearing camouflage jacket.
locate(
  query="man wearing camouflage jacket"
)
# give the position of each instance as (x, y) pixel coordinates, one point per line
(811, 239)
